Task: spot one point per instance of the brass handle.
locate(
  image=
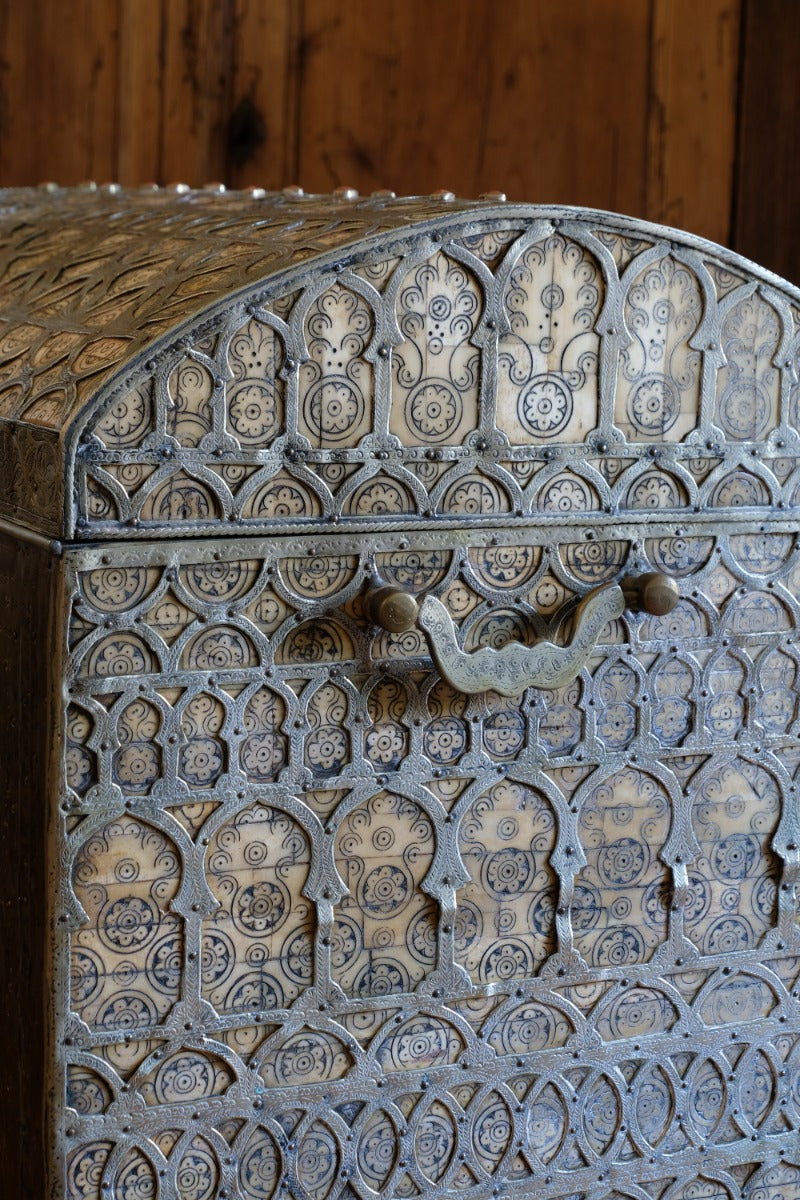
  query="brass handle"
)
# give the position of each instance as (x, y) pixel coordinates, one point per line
(515, 667)
(391, 608)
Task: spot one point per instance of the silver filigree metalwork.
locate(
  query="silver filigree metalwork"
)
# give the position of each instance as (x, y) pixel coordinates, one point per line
(326, 925)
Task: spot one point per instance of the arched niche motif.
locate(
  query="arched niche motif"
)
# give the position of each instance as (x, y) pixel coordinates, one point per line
(264, 748)
(445, 736)
(436, 368)
(561, 718)
(126, 957)
(672, 683)
(258, 945)
(327, 744)
(203, 753)
(660, 370)
(385, 930)
(188, 411)
(547, 387)
(749, 383)
(504, 727)
(254, 400)
(137, 763)
(777, 700)
(617, 692)
(386, 740)
(735, 812)
(80, 762)
(505, 915)
(621, 897)
(726, 678)
(336, 383)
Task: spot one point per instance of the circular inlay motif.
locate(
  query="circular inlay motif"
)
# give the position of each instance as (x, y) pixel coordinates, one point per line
(545, 407)
(433, 410)
(385, 890)
(333, 408)
(744, 409)
(654, 405)
(253, 411)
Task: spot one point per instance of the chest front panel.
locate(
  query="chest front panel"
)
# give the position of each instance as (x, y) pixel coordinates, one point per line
(333, 920)
(332, 927)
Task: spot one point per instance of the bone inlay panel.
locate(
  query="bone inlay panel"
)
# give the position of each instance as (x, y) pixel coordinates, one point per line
(442, 381)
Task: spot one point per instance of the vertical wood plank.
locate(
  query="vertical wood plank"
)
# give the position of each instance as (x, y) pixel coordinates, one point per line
(767, 191)
(59, 91)
(260, 145)
(692, 115)
(140, 83)
(566, 111)
(197, 50)
(543, 100)
(18, 146)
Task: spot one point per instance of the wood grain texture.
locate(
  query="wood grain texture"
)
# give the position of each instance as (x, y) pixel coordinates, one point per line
(197, 49)
(768, 183)
(668, 109)
(511, 110)
(692, 115)
(261, 134)
(141, 80)
(28, 719)
(59, 91)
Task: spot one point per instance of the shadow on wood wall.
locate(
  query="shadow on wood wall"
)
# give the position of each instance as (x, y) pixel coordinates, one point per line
(681, 111)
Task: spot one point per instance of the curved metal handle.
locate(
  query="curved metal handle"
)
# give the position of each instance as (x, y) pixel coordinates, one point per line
(516, 667)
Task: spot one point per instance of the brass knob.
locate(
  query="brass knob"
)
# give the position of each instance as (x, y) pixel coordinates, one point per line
(653, 593)
(391, 608)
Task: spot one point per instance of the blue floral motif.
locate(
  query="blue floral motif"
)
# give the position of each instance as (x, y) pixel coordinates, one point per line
(734, 857)
(623, 862)
(386, 890)
(506, 872)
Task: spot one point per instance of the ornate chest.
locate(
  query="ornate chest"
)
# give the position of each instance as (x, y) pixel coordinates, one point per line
(398, 606)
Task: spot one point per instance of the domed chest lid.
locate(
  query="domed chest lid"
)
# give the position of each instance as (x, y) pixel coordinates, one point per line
(196, 364)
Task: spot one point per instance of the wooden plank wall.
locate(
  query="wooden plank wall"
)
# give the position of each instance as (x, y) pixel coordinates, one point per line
(682, 111)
